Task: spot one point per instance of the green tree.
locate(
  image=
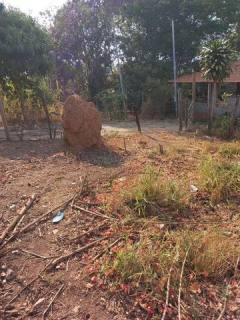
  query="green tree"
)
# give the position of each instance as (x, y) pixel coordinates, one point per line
(145, 31)
(25, 52)
(216, 59)
(83, 35)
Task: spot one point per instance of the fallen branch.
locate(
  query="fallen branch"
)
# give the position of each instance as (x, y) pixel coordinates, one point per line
(78, 194)
(97, 214)
(36, 255)
(52, 301)
(227, 291)
(167, 296)
(89, 232)
(225, 304)
(180, 284)
(106, 250)
(40, 219)
(18, 218)
(29, 284)
(74, 253)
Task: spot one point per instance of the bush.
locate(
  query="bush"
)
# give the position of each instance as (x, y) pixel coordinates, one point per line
(222, 126)
(152, 192)
(220, 179)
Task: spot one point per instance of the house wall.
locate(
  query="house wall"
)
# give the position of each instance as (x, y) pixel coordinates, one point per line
(201, 109)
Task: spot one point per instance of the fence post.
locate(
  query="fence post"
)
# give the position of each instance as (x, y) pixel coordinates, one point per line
(180, 113)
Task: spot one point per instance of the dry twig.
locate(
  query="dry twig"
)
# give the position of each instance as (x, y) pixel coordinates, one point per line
(167, 296)
(224, 305)
(97, 214)
(180, 284)
(89, 232)
(29, 284)
(36, 255)
(18, 218)
(79, 193)
(74, 253)
(227, 291)
(106, 250)
(40, 219)
(52, 301)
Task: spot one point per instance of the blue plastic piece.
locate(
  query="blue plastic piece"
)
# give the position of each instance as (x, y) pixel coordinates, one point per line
(59, 217)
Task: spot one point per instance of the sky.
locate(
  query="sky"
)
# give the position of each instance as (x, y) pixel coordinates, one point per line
(34, 7)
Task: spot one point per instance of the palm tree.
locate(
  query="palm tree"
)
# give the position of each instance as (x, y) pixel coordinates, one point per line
(216, 59)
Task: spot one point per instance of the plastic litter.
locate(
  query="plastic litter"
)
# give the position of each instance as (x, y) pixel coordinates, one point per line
(59, 217)
(193, 189)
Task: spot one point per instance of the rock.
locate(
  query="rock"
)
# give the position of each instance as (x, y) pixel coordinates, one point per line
(12, 207)
(10, 275)
(82, 123)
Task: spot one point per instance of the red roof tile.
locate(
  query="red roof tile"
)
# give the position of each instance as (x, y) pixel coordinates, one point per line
(197, 76)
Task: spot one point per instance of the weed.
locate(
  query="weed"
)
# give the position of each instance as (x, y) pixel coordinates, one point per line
(220, 179)
(153, 191)
(230, 151)
(127, 264)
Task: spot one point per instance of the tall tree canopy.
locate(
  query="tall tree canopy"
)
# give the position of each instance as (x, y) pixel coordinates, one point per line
(24, 48)
(83, 35)
(148, 25)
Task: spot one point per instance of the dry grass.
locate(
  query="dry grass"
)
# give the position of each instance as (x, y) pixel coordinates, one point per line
(220, 179)
(230, 151)
(146, 264)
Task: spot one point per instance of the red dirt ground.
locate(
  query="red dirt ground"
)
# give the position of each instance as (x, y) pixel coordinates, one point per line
(44, 168)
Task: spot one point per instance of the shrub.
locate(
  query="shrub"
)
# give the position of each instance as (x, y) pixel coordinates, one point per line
(222, 126)
(220, 179)
(152, 191)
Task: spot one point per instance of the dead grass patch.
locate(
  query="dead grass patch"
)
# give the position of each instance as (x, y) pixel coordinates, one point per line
(146, 264)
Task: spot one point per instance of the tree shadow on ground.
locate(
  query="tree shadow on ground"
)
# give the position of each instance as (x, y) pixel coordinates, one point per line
(21, 150)
(44, 149)
(101, 157)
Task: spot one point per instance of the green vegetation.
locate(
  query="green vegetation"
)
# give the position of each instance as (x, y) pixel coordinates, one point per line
(152, 192)
(220, 179)
(216, 58)
(115, 53)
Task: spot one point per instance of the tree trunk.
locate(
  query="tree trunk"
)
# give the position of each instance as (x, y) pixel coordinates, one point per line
(24, 114)
(2, 113)
(234, 114)
(138, 121)
(48, 120)
(212, 106)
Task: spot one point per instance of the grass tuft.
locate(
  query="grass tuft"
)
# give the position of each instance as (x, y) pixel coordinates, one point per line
(230, 151)
(220, 179)
(152, 191)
